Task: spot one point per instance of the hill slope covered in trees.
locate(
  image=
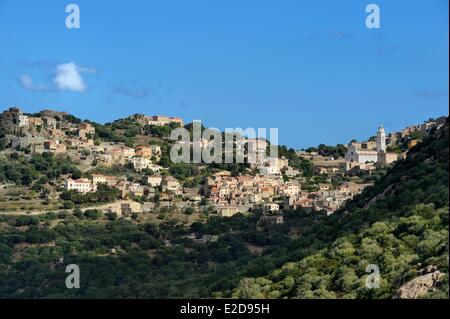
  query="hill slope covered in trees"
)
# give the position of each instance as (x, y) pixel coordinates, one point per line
(400, 225)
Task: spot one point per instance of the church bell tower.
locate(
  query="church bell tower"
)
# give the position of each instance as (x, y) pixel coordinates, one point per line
(381, 139)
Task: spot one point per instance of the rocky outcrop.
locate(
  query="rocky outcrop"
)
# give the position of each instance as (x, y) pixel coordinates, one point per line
(52, 113)
(7, 122)
(421, 285)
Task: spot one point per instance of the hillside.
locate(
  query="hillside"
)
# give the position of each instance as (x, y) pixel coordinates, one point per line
(400, 224)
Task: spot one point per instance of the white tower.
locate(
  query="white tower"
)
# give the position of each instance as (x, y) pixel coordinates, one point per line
(381, 139)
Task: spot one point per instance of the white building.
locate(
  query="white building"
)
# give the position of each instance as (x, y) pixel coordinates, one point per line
(22, 120)
(271, 207)
(289, 189)
(103, 179)
(169, 183)
(155, 168)
(82, 185)
(140, 163)
(154, 180)
(355, 152)
(128, 152)
(226, 210)
(269, 170)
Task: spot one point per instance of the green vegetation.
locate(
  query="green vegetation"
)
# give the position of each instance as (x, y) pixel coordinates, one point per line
(160, 131)
(122, 259)
(329, 151)
(72, 119)
(103, 194)
(295, 161)
(397, 245)
(35, 170)
(400, 224)
(105, 133)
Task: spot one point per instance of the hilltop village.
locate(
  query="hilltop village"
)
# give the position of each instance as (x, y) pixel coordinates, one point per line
(123, 168)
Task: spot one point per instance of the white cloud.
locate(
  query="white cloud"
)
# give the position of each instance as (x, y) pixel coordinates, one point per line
(86, 70)
(27, 82)
(67, 78)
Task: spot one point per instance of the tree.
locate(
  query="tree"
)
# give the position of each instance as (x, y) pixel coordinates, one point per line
(92, 214)
(78, 213)
(189, 210)
(68, 204)
(111, 216)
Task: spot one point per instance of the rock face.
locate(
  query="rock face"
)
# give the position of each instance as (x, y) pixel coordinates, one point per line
(420, 286)
(7, 122)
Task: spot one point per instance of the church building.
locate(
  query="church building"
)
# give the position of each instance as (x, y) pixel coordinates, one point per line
(362, 153)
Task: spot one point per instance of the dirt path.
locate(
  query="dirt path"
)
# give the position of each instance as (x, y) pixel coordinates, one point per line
(35, 213)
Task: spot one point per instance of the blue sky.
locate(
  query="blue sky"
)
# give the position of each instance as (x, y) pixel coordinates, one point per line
(310, 68)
